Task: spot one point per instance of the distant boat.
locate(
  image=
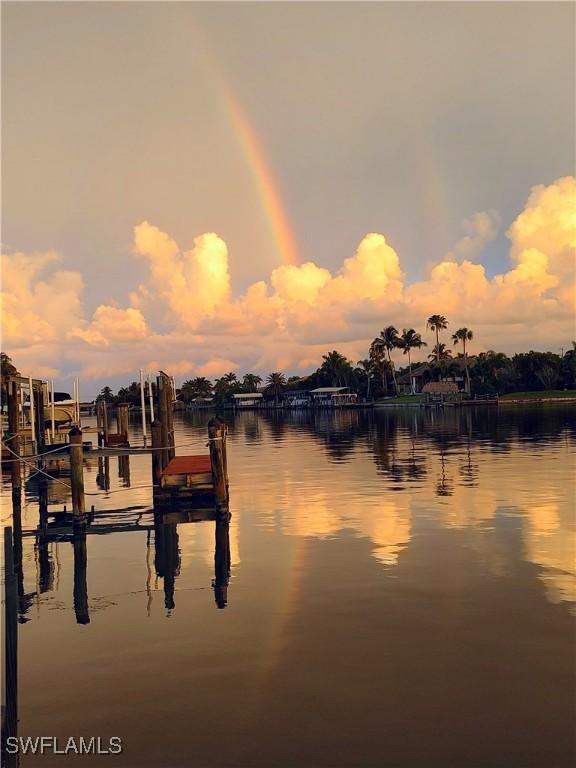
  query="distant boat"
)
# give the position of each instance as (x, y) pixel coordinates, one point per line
(64, 409)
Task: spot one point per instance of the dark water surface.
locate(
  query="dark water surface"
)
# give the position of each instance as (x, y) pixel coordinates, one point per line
(402, 594)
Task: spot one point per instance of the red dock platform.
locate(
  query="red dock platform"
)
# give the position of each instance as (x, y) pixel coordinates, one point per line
(194, 472)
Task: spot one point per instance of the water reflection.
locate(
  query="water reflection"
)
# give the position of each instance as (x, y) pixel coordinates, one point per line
(452, 455)
(402, 564)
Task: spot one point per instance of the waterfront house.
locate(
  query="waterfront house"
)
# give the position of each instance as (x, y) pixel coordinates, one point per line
(295, 398)
(248, 399)
(332, 397)
(426, 373)
(201, 402)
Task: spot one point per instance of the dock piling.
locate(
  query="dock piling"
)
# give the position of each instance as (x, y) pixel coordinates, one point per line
(13, 443)
(40, 433)
(156, 430)
(217, 440)
(77, 473)
(165, 398)
(122, 418)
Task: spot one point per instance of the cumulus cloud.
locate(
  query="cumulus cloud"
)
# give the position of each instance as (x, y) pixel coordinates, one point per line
(184, 317)
(110, 324)
(36, 306)
(194, 284)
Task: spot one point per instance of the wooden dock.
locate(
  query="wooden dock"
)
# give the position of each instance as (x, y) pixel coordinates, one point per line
(186, 481)
(194, 472)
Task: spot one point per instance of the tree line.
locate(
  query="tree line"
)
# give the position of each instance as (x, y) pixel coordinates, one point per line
(377, 376)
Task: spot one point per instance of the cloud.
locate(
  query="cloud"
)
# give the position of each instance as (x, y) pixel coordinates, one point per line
(37, 308)
(194, 284)
(479, 230)
(111, 324)
(184, 317)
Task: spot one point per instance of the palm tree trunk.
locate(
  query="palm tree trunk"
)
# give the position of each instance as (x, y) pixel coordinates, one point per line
(368, 385)
(410, 372)
(466, 367)
(393, 373)
(437, 347)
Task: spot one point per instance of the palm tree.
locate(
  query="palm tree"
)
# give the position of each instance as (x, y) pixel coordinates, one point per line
(197, 387)
(230, 378)
(250, 382)
(337, 368)
(366, 367)
(276, 381)
(440, 352)
(407, 341)
(106, 395)
(437, 323)
(461, 336)
(382, 367)
(203, 386)
(388, 340)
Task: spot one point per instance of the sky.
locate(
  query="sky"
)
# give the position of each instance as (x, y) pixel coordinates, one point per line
(246, 186)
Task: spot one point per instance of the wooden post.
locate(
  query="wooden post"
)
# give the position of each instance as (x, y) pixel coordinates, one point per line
(105, 421)
(32, 414)
(10, 644)
(77, 473)
(163, 421)
(99, 423)
(52, 425)
(12, 403)
(43, 503)
(40, 421)
(224, 433)
(216, 437)
(156, 429)
(151, 399)
(165, 398)
(143, 407)
(13, 443)
(15, 470)
(122, 419)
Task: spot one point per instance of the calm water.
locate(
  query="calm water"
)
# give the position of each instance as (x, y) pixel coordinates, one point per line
(402, 593)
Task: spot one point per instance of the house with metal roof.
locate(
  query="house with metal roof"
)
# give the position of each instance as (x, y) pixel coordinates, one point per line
(248, 399)
(332, 397)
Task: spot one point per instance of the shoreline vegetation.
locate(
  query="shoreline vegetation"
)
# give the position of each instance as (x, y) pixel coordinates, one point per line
(511, 398)
(460, 377)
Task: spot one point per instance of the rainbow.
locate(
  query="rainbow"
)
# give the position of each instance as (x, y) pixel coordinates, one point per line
(267, 186)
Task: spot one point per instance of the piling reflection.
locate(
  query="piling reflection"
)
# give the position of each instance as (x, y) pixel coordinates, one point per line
(103, 476)
(10, 708)
(80, 575)
(45, 564)
(124, 469)
(167, 557)
(222, 562)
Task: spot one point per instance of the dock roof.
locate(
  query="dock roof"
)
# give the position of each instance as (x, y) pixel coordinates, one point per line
(247, 395)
